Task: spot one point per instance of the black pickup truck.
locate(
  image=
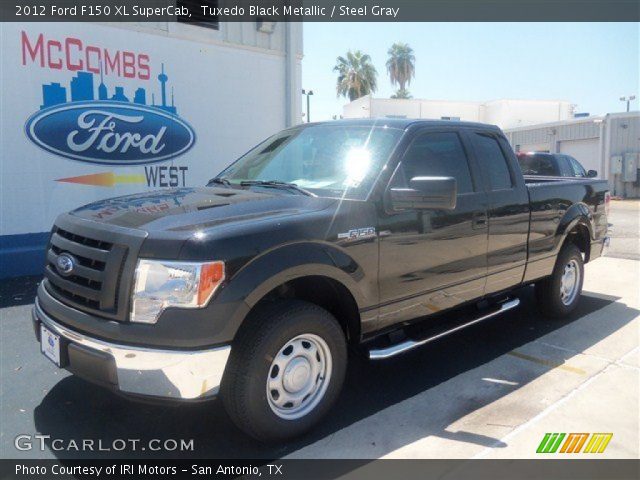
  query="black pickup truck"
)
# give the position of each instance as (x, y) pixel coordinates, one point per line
(377, 233)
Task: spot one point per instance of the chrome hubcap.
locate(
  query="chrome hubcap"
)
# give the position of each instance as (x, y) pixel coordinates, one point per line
(299, 376)
(570, 282)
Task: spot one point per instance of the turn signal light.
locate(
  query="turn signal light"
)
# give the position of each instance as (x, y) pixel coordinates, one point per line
(211, 275)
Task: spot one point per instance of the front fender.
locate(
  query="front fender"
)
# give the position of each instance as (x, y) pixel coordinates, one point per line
(253, 281)
(286, 263)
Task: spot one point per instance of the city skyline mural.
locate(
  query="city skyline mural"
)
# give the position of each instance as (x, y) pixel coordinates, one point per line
(82, 89)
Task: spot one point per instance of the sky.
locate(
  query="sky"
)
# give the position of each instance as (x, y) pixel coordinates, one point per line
(589, 64)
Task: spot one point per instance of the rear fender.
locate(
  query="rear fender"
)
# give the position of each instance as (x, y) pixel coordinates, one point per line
(576, 215)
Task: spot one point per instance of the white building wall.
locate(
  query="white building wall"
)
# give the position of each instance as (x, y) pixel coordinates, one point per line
(386, 107)
(504, 113)
(233, 87)
(359, 108)
(465, 111)
(516, 113)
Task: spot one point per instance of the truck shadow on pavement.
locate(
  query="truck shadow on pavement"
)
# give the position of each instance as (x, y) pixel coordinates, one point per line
(76, 410)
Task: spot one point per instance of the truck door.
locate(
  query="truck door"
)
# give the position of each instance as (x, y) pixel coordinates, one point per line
(431, 260)
(508, 210)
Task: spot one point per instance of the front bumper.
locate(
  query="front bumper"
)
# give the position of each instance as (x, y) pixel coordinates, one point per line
(149, 372)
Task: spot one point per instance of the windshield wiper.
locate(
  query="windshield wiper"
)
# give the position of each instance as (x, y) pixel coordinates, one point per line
(276, 184)
(219, 181)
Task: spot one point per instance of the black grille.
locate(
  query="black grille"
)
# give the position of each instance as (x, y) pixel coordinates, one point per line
(93, 283)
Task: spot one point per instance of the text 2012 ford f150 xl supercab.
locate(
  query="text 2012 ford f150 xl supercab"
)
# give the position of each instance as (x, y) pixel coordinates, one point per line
(364, 232)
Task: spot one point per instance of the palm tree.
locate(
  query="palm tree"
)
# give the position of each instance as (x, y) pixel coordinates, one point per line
(357, 76)
(403, 94)
(401, 65)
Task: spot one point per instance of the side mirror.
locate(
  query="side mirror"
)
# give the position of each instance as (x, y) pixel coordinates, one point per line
(425, 193)
(592, 173)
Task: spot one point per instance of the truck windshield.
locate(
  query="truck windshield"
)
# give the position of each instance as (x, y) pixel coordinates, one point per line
(327, 160)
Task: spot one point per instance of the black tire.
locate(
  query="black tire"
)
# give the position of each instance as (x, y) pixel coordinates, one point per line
(259, 341)
(549, 291)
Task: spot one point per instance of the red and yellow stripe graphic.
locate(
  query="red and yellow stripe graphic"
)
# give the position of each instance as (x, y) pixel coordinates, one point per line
(106, 179)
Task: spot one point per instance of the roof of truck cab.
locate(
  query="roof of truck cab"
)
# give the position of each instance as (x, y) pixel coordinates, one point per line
(402, 123)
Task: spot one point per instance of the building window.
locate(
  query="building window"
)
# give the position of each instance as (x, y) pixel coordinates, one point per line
(198, 15)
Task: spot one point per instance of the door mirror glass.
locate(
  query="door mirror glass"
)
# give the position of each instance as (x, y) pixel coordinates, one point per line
(425, 193)
(592, 173)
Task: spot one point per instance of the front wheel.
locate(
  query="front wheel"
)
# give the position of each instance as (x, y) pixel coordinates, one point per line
(559, 294)
(286, 369)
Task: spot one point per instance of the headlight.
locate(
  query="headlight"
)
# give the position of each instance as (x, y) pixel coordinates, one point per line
(161, 284)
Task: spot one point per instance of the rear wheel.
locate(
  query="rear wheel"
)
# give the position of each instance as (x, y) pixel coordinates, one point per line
(559, 294)
(286, 369)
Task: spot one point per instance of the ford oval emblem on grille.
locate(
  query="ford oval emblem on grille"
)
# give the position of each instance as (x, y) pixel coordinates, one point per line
(65, 264)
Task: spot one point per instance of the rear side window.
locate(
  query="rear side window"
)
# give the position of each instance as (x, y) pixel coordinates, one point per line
(492, 160)
(438, 154)
(578, 170)
(564, 166)
(537, 165)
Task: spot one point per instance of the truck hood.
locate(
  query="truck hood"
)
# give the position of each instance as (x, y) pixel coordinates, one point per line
(187, 209)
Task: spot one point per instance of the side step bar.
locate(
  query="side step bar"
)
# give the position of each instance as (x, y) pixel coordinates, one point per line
(406, 345)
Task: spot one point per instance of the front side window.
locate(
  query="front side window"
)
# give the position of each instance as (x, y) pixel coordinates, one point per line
(492, 161)
(327, 160)
(438, 154)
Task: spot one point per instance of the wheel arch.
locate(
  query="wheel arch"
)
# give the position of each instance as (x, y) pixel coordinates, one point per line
(576, 227)
(313, 272)
(324, 291)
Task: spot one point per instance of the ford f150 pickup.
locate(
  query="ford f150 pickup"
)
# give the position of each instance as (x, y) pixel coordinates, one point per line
(385, 234)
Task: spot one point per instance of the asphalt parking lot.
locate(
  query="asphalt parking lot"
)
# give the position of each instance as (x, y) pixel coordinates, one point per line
(490, 391)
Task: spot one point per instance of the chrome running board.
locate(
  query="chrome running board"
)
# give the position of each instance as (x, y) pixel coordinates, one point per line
(406, 345)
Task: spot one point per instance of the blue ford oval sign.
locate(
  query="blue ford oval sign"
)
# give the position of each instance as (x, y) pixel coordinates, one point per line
(110, 132)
